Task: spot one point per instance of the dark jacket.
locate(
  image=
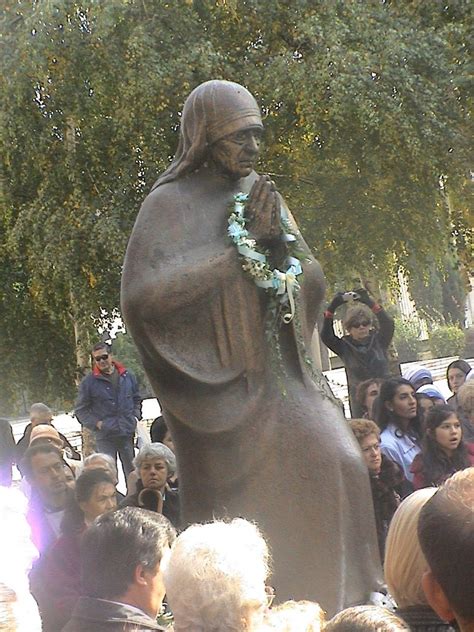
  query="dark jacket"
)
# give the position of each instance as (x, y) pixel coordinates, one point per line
(7, 452)
(423, 619)
(386, 495)
(419, 475)
(55, 581)
(118, 408)
(99, 615)
(171, 508)
(362, 361)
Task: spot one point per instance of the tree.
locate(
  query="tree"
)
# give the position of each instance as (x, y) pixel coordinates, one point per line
(365, 108)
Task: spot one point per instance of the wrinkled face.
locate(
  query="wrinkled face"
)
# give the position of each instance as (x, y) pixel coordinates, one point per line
(360, 329)
(154, 474)
(103, 360)
(403, 404)
(370, 396)
(371, 452)
(448, 434)
(456, 379)
(235, 154)
(422, 382)
(101, 500)
(48, 476)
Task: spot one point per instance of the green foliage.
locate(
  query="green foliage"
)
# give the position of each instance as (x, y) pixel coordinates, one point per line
(366, 106)
(407, 339)
(125, 351)
(446, 340)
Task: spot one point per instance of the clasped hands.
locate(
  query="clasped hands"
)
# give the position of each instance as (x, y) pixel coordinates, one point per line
(263, 211)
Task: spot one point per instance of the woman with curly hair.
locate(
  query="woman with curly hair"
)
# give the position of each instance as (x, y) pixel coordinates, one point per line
(443, 449)
(386, 477)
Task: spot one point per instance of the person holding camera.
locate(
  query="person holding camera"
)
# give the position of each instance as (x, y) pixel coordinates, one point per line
(364, 349)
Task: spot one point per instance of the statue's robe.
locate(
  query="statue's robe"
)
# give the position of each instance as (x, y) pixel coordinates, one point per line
(251, 439)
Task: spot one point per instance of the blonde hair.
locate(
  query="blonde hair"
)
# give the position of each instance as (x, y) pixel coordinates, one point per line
(215, 578)
(405, 563)
(305, 616)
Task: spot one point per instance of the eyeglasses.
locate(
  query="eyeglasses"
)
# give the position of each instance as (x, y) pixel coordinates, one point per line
(364, 323)
(101, 357)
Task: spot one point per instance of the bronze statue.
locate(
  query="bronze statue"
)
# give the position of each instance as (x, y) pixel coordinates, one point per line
(256, 435)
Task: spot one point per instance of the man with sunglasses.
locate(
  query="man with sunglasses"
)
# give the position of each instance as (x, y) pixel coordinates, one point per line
(109, 404)
(364, 349)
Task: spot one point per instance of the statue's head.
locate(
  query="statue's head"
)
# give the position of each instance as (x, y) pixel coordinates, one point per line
(221, 121)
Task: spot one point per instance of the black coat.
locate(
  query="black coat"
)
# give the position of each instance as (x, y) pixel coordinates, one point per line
(171, 508)
(362, 360)
(99, 615)
(423, 619)
(386, 495)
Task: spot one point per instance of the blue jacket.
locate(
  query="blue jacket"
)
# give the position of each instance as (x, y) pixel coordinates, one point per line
(118, 410)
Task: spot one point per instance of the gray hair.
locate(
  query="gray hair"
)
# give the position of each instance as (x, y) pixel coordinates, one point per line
(111, 462)
(156, 451)
(216, 573)
(40, 409)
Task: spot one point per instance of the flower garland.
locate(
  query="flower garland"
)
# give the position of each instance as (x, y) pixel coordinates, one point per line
(281, 285)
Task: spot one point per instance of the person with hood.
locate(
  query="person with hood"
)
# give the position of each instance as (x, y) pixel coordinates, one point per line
(224, 337)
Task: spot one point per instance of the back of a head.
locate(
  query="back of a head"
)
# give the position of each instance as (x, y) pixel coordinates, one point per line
(116, 544)
(446, 534)
(216, 574)
(305, 616)
(366, 619)
(404, 560)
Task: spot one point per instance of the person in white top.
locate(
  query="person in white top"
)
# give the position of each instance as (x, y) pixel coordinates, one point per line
(397, 417)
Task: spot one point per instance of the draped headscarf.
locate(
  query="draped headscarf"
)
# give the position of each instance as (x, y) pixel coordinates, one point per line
(213, 110)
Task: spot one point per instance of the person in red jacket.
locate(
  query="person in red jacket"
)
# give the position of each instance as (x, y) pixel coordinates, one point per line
(443, 449)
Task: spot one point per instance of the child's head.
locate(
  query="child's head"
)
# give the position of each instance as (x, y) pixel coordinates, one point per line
(443, 430)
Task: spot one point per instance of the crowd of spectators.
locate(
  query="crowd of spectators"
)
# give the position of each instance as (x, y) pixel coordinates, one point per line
(107, 560)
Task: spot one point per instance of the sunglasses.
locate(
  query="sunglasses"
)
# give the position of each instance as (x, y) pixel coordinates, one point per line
(101, 357)
(364, 323)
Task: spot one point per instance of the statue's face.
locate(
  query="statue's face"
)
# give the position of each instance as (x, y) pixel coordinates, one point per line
(235, 154)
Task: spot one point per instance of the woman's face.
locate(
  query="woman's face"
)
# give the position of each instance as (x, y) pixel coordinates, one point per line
(448, 434)
(360, 329)
(235, 154)
(403, 404)
(370, 396)
(371, 452)
(456, 379)
(101, 500)
(154, 473)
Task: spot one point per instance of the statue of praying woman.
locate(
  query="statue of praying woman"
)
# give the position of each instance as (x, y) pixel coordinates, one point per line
(220, 294)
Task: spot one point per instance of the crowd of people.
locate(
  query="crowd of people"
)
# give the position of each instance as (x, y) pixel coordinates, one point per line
(107, 560)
